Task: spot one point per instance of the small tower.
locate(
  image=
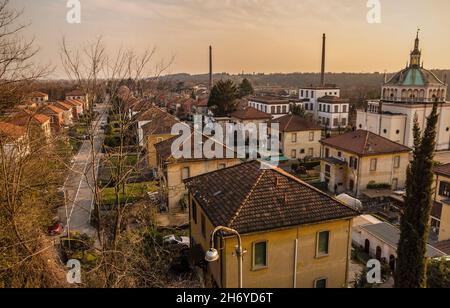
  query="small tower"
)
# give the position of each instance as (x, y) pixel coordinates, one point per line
(416, 53)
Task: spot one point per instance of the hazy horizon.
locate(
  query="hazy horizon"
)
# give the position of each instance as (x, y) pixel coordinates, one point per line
(262, 36)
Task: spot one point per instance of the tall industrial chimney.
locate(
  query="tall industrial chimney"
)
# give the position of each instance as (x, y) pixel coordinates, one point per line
(322, 76)
(211, 81)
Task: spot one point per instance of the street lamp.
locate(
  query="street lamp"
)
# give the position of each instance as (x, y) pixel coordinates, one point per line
(212, 255)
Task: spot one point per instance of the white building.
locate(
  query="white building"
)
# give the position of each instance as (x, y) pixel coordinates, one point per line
(274, 106)
(326, 106)
(409, 94)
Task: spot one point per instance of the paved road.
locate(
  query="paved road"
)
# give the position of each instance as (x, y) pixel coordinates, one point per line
(76, 215)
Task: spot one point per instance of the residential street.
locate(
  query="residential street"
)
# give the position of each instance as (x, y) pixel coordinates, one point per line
(76, 214)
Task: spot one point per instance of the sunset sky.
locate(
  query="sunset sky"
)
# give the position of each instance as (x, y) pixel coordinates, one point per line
(251, 35)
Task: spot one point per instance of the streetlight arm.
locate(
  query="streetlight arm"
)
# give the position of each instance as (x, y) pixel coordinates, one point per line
(226, 229)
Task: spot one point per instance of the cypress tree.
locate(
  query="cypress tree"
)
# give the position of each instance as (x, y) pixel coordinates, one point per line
(412, 263)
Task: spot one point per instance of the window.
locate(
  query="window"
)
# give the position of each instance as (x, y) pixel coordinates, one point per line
(323, 239)
(327, 170)
(302, 151)
(311, 152)
(312, 94)
(344, 122)
(444, 189)
(327, 152)
(194, 211)
(328, 108)
(185, 173)
(221, 166)
(354, 162)
(397, 162)
(336, 122)
(284, 109)
(320, 107)
(203, 225)
(344, 109)
(301, 93)
(320, 283)
(294, 138)
(307, 94)
(259, 255)
(339, 154)
(336, 109)
(311, 107)
(373, 164)
(273, 110)
(311, 136)
(294, 154)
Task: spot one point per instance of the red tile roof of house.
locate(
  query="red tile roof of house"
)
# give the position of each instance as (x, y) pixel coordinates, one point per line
(10, 131)
(250, 113)
(25, 117)
(443, 170)
(365, 143)
(295, 123)
(38, 94)
(253, 197)
(63, 106)
(73, 102)
(76, 93)
(53, 109)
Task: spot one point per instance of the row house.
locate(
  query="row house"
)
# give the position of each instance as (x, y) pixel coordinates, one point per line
(31, 120)
(274, 106)
(56, 116)
(67, 114)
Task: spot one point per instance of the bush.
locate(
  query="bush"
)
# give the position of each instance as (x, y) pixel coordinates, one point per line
(439, 274)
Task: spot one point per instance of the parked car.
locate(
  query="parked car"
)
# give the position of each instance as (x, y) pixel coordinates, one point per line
(177, 240)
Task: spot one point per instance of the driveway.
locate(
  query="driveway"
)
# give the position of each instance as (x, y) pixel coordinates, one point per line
(79, 186)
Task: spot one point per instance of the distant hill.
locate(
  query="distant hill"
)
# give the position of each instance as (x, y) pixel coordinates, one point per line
(356, 86)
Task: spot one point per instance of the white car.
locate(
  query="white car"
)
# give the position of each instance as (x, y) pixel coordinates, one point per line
(177, 240)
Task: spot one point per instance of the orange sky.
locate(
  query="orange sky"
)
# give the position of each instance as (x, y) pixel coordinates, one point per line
(252, 35)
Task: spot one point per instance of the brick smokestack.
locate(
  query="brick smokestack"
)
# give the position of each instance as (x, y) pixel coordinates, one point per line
(322, 75)
(211, 81)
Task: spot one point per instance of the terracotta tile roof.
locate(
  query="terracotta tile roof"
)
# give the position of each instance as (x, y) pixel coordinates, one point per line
(333, 100)
(250, 199)
(443, 246)
(164, 149)
(443, 170)
(38, 94)
(63, 106)
(161, 123)
(25, 117)
(295, 123)
(364, 143)
(73, 102)
(76, 93)
(53, 109)
(148, 114)
(250, 113)
(11, 131)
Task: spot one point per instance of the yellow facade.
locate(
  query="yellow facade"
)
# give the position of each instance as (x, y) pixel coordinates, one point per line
(444, 229)
(285, 268)
(175, 172)
(151, 141)
(379, 169)
(301, 144)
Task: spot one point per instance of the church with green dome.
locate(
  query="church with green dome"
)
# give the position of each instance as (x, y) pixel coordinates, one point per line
(407, 95)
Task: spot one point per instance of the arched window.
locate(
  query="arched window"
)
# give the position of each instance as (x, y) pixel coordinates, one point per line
(379, 253)
(367, 246)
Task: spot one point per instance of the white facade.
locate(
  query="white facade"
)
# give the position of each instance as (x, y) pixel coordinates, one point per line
(325, 105)
(275, 107)
(396, 122)
(409, 94)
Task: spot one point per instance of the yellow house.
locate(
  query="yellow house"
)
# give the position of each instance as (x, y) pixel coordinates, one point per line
(299, 137)
(440, 216)
(360, 160)
(172, 172)
(158, 129)
(293, 235)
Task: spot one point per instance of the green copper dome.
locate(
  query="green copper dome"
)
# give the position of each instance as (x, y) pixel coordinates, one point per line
(414, 77)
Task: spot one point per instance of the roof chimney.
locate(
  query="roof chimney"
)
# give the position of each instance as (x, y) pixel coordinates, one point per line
(211, 81)
(322, 76)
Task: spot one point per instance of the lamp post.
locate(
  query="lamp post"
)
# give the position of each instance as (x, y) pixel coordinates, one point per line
(212, 255)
